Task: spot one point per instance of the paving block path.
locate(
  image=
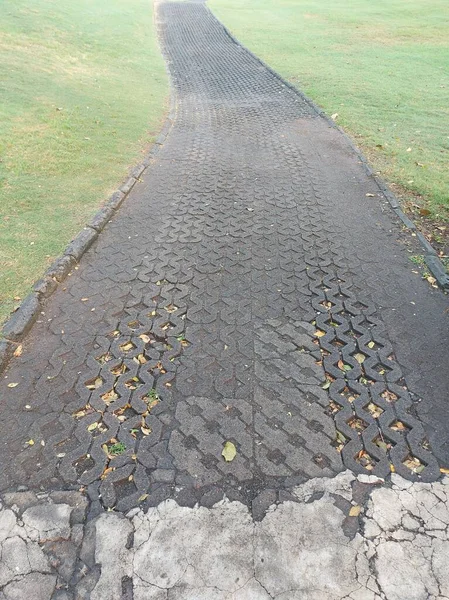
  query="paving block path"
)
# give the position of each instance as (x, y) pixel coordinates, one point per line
(255, 288)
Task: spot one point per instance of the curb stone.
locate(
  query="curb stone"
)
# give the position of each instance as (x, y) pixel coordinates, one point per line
(431, 258)
(21, 320)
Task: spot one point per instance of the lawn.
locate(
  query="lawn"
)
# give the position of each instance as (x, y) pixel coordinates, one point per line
(83, 92)
(382, 67)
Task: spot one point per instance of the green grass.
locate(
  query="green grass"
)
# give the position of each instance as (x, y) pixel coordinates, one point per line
(83, 92)
(382, 65)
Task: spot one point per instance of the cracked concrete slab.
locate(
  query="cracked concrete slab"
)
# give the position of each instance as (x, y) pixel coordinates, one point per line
(396, 547)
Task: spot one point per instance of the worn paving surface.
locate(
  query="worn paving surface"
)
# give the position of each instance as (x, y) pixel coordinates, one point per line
(254, 288)
(335, 539)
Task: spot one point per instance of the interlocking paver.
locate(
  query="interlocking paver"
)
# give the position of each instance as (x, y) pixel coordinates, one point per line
(247, 290)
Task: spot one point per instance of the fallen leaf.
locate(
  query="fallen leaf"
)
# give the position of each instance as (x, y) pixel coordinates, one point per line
(92, 426)
(145, 430)
(424, 212)
(229, 451)
(431, 279)
(334, 116)
(106, 472)
(371, 345)
(326, 385)
(444, 470)
(96, 384)
(12, 385)
(383, 446)
(320, 333)
(18, 351)
(369, 195)
(142, 497)
(127, 347)
(109, 397)
(360, 358)
(30, 442)
(354, 511)
(84, 299)
(145, 338)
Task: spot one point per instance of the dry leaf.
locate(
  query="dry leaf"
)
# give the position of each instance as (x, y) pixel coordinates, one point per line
(334, 116)
(145, 338)
(354, 511)
(92, 426)
(30, 442)
(145, 430)
(96, 384)
(142, 497)
(18, 351)
(106, 472)
(320, 333)
(12, 385)
(127, 347)
(369, 195)
(444, 470)
(360, 358)
(229, 452)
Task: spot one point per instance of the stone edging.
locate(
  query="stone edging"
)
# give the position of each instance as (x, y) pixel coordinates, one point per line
(433, 262)
(20, 322)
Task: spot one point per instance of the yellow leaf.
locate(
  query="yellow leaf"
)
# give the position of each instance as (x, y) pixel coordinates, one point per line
(319, 333)
(12, 385)
(145, 338)
(445, 471)
(229, 452)
(354, 511)
(392, 469)
(371, 345)
(30, 442)
(18, 351)
(92, 426)
(106, 472)
(359, 357)
(145, 430)
(142, 497)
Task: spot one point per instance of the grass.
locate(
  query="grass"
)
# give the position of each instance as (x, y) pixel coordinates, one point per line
(83, 92)
(382, 66)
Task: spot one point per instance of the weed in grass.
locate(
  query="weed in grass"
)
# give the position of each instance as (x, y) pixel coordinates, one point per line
(117, 449)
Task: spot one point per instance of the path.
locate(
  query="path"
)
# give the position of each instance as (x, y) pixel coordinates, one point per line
(255, 262)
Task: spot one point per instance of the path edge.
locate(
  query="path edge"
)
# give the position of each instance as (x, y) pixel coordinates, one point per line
(432, 260)
(19, 323)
